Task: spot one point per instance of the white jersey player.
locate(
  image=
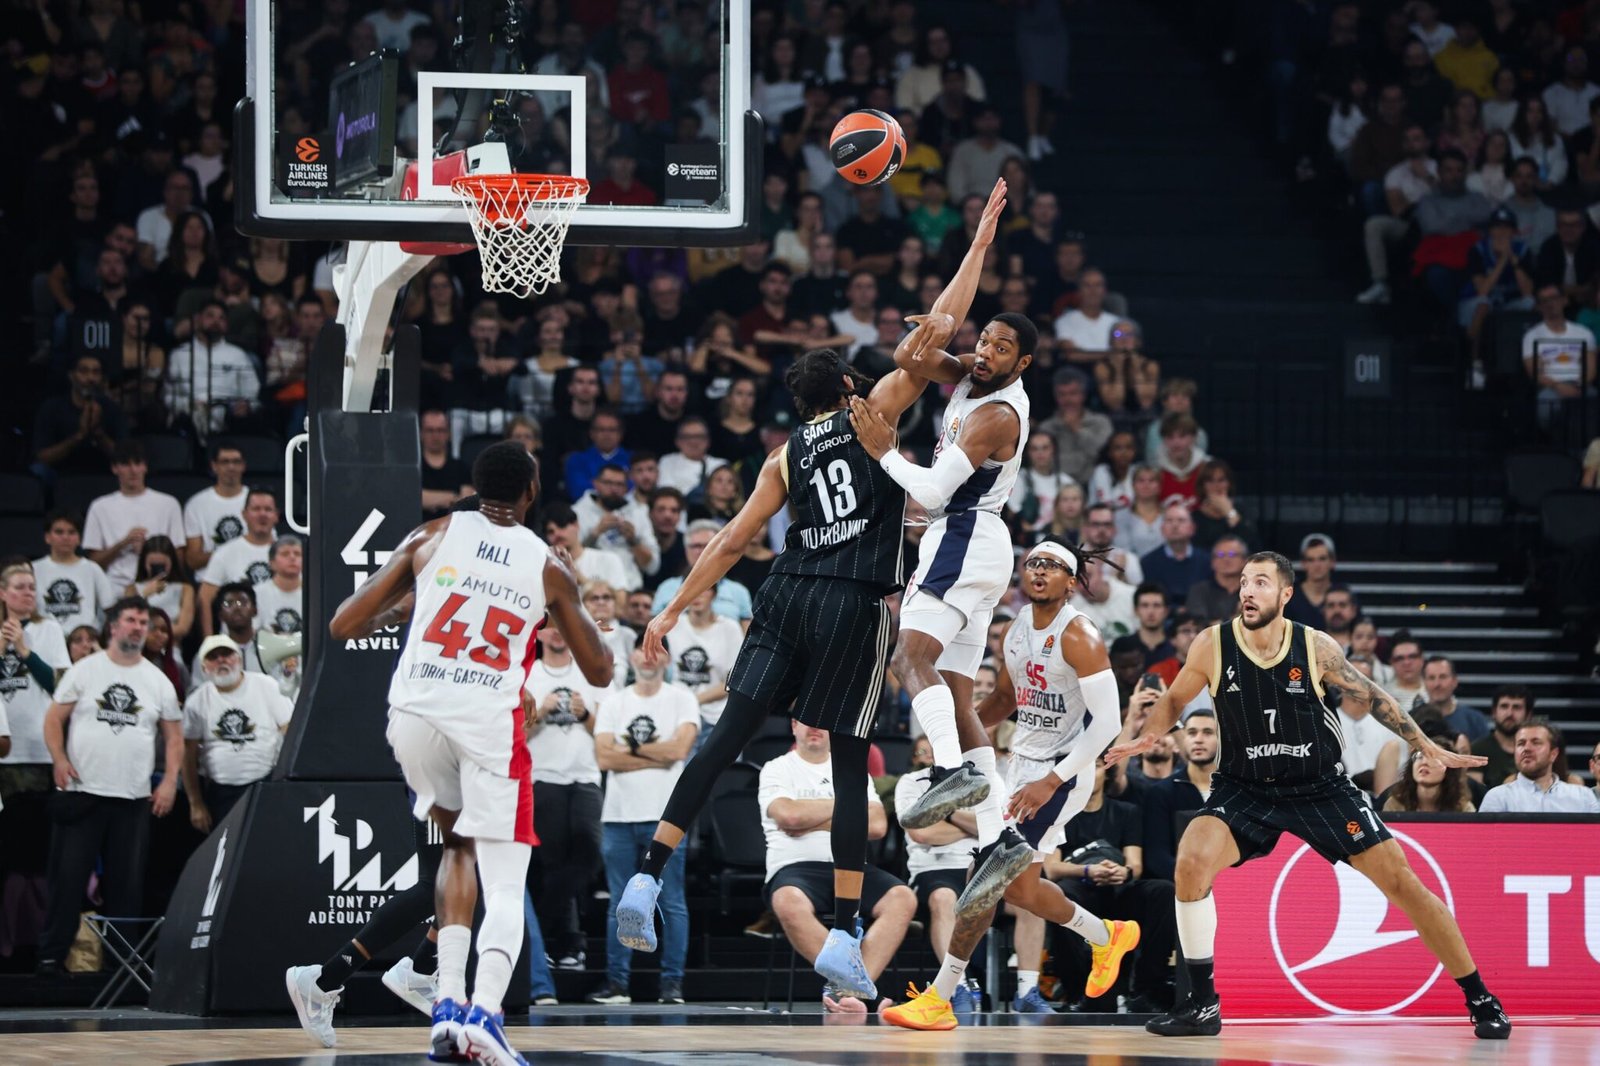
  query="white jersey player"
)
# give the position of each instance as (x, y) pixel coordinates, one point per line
(1056, 678)
(483, 584)
(965, 564)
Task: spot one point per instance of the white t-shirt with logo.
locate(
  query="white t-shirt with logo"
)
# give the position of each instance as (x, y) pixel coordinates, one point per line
(239, 732)
(701, 658)
(562, 748)
(791, 777)
(73, 594)
(641, 795)
(5, 731)
(113, 729)
(25, 701)
(238, 560)
(279, 610)
(923, 857)
(214, 518)
(597, 565)
(1560, 356)
(112, 516)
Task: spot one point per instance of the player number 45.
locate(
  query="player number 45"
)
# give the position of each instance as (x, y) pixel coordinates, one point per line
(453, 637)
(836, 494)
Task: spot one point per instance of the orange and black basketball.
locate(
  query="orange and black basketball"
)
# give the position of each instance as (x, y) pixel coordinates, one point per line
(867, 147)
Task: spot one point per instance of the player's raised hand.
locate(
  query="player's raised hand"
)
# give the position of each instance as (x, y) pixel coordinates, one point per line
(1449, 757)
(655, 636)
(927, 331)
(1131, 750)
(875, 435)
(991, 215)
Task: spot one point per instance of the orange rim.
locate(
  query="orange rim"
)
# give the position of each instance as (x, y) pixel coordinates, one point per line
(500, 194)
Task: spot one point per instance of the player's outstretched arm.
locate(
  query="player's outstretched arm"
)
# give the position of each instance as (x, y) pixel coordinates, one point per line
(993, 428)
(566, 611)
(1359, 690)
(365, 610)
(1190, 682)
(724, 549)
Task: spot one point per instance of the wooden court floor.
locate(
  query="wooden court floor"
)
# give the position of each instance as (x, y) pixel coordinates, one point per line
(709, 1036)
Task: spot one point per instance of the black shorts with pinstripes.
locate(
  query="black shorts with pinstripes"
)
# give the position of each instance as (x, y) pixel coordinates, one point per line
(1329, 813)
(822, 644)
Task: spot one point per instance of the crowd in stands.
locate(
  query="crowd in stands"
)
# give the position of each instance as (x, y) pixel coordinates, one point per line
(649, 384)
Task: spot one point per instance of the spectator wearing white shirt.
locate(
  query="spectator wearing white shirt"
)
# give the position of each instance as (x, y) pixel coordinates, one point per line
(154, 224)
(1404, 184)
(233, 726)
(1533, 134)
(560, 525)
(936, 857)
(731, 600)
(1405, 657)
(1139, 524)
(1428, 29)
(73, 591)
(859, 318)
(1112, 480)
(101, 730)
(560, 709)
(1085, 331)
(1364, 738)
(280, 600)
(1033, 498)
(236, 613)
(1536, 789)
(33, 653)
(1107, 603)
(162, 581)
(117, 524)
(246, 558)
(215, 515)
(393, 24)
(975, 162)
(1568, 99)
(601, 601)
(1099, 532)
(796, 799)
(687, 468)
(212, 382)
(1557, 354)
(612, 520)
(642, 738)
(703, 647)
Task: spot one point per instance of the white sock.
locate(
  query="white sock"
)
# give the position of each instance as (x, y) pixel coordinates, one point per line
(935, 709)
(1088, 926)
(989, 812)
(1197, 928)
(950, 975)
(494, 976)
(1026, 979)
(455, 941)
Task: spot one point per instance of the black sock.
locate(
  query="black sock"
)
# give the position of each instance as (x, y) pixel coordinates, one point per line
(1200, 974)
(1472, 985)
(426, 958)
(346, 961)
(655, 858)
(844, 914)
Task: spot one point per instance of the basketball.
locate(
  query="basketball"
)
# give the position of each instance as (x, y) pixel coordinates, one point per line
(867, 147)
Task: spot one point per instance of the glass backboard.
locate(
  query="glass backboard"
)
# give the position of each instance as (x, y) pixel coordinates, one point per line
(357, 114)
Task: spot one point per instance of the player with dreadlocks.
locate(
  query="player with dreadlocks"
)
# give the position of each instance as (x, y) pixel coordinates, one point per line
(1056, 678)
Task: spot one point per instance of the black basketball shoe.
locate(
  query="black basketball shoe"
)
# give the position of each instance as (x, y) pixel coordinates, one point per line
(1489, 1019)
(1192, 1017)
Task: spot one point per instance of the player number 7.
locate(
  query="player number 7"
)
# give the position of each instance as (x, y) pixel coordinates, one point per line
(1272, 720)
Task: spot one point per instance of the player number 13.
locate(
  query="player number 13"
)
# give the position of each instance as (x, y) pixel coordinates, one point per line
(836, 494)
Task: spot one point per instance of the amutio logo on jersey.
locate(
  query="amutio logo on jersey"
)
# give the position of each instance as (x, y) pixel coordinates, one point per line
(1327, 923)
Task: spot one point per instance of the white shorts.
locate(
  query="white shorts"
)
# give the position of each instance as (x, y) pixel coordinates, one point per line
(965, 567)
(492, 806)
(1047, 828)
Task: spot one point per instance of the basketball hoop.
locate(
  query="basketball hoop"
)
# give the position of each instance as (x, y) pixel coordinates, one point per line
(520, 222)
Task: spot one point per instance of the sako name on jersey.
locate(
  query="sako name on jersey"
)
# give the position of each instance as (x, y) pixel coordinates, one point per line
(837, 533)
(460, 675)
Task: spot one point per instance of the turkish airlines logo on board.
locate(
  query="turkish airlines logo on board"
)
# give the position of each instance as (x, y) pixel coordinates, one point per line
(1339, 941)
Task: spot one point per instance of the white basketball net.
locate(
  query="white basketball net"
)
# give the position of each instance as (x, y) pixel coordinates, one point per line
(520, 223)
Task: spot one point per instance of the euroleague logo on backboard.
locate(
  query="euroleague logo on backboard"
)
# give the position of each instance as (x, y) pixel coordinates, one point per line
(1342, 945)
(307, 150)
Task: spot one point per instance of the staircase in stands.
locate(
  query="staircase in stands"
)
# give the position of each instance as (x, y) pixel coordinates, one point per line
(1491, 631)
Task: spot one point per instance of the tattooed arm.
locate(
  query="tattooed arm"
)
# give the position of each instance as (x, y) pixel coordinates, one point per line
(1359, 690)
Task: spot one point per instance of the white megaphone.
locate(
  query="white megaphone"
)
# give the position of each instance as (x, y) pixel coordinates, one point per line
(273, 648)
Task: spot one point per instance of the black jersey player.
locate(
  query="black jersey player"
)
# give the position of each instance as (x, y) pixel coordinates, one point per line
(1280, 771)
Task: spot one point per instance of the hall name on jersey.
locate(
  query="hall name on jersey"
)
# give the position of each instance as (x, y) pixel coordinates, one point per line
(837, 533)
(1267, 751)
(460, 675)
(494, 553)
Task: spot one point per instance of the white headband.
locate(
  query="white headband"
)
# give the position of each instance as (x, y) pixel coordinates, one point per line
(1057, 552)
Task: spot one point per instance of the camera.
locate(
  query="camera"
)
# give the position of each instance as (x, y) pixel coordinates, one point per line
(158, 570)
(1151, 681)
